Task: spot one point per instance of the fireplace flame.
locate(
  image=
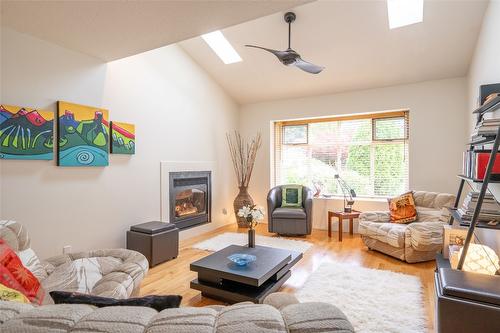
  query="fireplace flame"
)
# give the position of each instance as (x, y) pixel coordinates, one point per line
(184, 203)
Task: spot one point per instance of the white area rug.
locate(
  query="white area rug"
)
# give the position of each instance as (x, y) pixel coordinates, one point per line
(373, 300)
(228, 238)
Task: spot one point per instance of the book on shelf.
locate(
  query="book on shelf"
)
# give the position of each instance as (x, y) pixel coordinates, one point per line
(490, 208)
(486, 126)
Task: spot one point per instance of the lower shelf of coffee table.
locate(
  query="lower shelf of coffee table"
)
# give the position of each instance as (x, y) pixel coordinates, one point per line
(233, 292)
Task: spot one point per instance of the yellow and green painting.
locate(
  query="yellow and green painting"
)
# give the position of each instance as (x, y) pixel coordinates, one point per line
(122, 138)
(26, 133)
(83, 135)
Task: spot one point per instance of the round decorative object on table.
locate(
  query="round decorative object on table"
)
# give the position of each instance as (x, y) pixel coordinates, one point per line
(242, 259)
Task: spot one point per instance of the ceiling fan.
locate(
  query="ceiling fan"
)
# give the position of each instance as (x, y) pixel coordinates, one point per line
(289, 57)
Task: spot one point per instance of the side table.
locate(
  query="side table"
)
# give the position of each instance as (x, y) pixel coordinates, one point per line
(341, 216)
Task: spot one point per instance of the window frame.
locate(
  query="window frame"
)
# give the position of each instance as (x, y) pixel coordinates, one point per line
(296, 143)
(374, 131)
(277, 131)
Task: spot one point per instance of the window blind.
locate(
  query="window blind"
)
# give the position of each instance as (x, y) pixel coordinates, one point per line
(370, 152)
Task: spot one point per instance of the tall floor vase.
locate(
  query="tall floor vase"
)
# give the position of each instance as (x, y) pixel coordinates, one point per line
(242, 199)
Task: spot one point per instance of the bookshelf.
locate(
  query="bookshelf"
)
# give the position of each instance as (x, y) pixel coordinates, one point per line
(491, 106)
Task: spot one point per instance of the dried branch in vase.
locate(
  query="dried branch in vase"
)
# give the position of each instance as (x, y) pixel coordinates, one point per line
(243, 155)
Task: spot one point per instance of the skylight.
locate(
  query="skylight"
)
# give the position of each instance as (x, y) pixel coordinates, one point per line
(405, 12)
(219, 44)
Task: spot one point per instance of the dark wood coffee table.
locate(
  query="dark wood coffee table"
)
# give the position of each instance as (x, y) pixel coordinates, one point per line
(221, 279)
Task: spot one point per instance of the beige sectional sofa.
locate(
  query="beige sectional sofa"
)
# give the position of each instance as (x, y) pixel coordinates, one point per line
(412, 242)
(118, 273)
(113, 273)
(281, 313)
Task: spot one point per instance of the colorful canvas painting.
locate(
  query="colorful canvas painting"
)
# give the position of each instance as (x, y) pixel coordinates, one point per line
(122, 138)
(26, 134)
(83, 135)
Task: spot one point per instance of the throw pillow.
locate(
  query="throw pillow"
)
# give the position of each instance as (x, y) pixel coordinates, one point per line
(15, 276)
(12, 295)
(402, 208)
(291, 196)
(158, 303)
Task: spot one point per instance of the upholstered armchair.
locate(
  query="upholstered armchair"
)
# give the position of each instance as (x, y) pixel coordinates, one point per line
(413, 242)
(113, 273)
(289, 220)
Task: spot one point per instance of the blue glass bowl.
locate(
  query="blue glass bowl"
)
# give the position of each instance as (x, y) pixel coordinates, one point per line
(242, 259)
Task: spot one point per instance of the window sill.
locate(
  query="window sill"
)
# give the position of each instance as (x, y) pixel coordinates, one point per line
(360, 199)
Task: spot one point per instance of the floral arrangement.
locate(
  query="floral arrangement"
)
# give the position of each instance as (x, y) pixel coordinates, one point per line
(252, 214)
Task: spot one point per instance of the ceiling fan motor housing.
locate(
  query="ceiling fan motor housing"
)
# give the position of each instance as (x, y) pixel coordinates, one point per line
(290, 17)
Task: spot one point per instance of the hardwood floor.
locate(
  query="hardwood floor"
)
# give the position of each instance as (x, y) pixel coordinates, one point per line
(173, 277)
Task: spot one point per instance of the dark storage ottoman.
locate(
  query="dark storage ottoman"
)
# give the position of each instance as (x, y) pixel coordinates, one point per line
(467, 302)
(157, 241)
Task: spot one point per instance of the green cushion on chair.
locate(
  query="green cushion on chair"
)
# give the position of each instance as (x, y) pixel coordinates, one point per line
(291, 196)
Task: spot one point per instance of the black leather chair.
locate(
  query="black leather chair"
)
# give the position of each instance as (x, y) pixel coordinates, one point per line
(288, 220)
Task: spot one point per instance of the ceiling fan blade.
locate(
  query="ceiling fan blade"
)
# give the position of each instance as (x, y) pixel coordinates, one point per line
(279, 54)
(307, 66)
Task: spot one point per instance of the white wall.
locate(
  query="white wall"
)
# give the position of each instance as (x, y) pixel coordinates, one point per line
(437, 127)
(485, 69)
(179, 112)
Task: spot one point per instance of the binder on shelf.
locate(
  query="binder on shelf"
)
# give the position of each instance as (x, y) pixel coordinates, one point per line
(475, 163)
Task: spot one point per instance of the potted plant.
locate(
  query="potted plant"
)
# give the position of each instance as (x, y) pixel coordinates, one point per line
(252, 215)
(243, 155)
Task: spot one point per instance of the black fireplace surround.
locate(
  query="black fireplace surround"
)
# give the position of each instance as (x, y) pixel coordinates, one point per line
(190, 198)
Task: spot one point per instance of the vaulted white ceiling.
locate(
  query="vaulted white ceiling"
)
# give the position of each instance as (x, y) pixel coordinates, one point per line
(111, 30)
(353, 40)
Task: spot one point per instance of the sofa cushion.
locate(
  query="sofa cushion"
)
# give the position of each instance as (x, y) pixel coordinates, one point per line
(289, 213)
(428, 214)
(184, 320)
(433, 199)
(129, 319)
(389, 233)
(9, 310)
(425, 236)
(250, 318)
(80, 275)
(312, 317)
(59, 318)
(15, 235)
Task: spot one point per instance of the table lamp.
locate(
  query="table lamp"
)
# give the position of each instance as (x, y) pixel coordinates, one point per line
(348, 192)
(480, 259)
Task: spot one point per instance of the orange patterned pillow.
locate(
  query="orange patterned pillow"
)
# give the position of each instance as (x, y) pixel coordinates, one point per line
(15, 276)
(402, 208)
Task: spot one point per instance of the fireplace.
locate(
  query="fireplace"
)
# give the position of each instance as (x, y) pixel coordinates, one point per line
(190, 198)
